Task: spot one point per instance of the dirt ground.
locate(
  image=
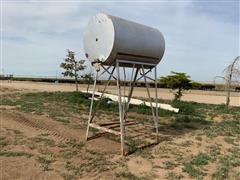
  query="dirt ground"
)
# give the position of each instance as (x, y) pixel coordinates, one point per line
(52, 146)
(211, 97)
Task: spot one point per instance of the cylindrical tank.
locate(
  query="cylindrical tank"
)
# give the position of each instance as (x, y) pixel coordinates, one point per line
(108, 38)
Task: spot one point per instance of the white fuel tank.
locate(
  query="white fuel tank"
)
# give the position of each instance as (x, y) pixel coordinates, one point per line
(108, 38)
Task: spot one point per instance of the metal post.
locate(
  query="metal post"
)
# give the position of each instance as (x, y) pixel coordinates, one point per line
(91, 106)
(132, 84)
(124, 90)
(156, 102)
(104, 89)
(120, 110)
(149, 96)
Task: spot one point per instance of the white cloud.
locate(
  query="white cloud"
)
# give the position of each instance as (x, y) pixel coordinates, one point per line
(37, 34)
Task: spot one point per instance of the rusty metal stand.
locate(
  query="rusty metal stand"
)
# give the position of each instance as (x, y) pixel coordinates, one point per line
(123, 102)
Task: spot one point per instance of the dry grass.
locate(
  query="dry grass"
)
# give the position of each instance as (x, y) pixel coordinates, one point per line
(47, 129)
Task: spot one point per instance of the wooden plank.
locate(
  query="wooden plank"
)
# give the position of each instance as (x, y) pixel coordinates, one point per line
(118, 125)
(115, 123)
(104, 129)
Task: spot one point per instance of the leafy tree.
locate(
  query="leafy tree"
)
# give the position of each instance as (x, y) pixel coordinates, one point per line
(178, 82)
(72, 67)
(88, 78)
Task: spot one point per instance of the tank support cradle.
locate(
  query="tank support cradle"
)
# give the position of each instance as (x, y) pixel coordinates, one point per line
(138, 72)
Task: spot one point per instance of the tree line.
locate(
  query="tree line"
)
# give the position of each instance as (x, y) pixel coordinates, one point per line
(177, 82)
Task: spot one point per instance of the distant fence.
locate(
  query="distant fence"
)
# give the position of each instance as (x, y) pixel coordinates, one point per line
(200, 86)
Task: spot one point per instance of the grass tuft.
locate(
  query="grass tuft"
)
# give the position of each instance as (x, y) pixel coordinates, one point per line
(200, 159)
(127, 175)
(45, 141)
(193, 171)
(14, 153)
(73, 143)
(45, 161)
(192, 167)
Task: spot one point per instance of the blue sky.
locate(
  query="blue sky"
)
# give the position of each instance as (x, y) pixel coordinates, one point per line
(202, 38)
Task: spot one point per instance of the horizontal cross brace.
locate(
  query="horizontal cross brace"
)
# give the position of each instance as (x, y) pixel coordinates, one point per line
(104, 129)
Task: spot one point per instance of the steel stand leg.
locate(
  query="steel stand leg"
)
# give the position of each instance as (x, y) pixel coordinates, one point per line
(149, 96)
(91, 106)
(132, 84)
(103, 91)
(156, 102)
(120, 111)
(155, 114)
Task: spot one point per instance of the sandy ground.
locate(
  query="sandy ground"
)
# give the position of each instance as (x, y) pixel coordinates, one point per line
(30, 126)
(24, 133)
(211, 97)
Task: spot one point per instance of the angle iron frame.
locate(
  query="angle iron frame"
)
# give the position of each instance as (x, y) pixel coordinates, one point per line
(124, 106)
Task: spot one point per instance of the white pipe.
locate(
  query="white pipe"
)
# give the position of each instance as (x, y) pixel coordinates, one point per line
(137, 101)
